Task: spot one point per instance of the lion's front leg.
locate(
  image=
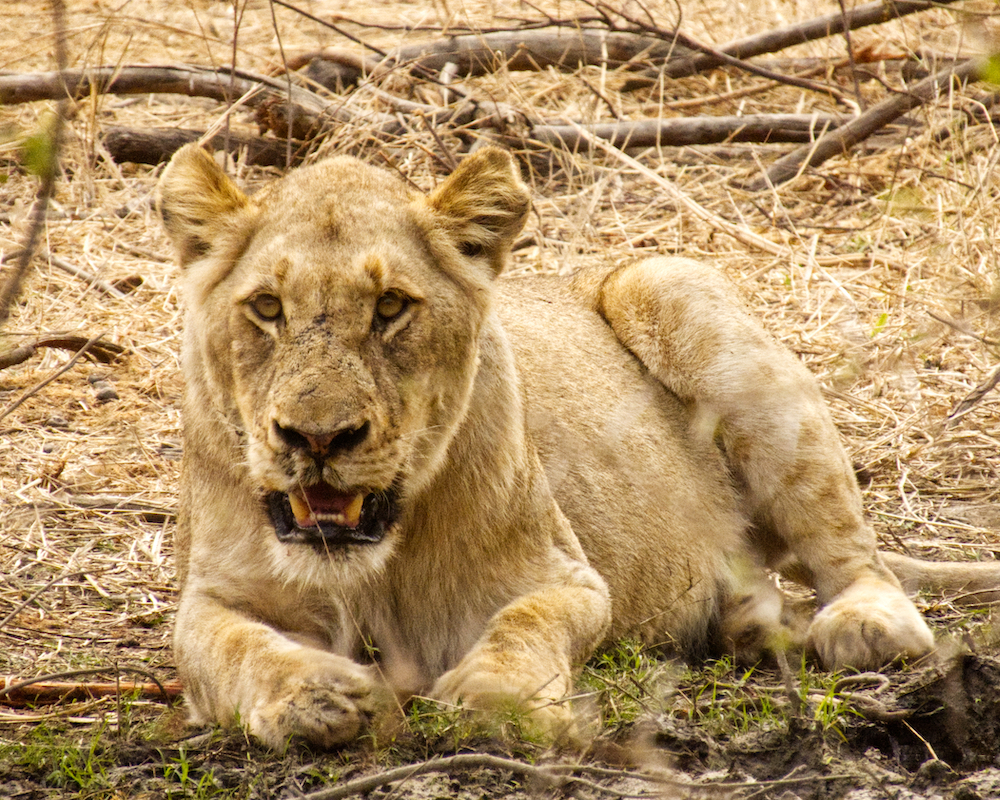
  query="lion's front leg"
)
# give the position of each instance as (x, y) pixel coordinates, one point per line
(528, 657)
(682, 319)
(236, 669)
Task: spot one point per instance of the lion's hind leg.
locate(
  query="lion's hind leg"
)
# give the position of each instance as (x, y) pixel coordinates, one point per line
(681, 318)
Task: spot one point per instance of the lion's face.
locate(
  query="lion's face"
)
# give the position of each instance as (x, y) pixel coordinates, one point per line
(337, 315)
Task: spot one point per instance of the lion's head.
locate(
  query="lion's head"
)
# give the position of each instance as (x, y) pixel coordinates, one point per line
(333, 328)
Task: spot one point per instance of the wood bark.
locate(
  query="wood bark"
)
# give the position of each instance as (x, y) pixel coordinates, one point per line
(157, 145)
(842, 139)
(560, 47)
(690, 130)
(286, 110)
(810, 30)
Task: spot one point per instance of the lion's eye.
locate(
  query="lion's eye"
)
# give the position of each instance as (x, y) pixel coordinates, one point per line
(266, 306)
(391, 304)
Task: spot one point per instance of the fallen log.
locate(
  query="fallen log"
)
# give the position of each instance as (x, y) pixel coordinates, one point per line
(690, 131)
(284, 109)
(157, 145)
(559, 47)
(774, 41)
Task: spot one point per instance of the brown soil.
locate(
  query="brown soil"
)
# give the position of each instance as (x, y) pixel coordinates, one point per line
(887, 287)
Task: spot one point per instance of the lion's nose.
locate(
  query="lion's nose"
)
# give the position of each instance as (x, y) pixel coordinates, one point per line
(323, 445)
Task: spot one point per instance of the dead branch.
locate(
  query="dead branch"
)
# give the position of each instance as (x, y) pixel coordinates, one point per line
(560, 47)
(726, 59)
(841, 140)
(104, 352)
(43, 692)
(158, 145)
(11, 286)
(550, 776)
(818, 28)
(42, 384)
(303, 115)
(690, 130)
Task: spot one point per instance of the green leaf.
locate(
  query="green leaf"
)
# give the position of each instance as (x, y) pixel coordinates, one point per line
(38, 150)
(990, 70)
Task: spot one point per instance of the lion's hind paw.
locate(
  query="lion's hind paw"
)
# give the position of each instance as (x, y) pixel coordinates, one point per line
(867, 626)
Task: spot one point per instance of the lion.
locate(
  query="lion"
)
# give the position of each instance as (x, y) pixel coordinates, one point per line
(405, 473)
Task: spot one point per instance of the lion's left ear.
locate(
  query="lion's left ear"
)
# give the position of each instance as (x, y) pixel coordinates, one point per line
(483, 205)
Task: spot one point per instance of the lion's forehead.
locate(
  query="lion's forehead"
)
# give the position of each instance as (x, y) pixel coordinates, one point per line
(338, 196)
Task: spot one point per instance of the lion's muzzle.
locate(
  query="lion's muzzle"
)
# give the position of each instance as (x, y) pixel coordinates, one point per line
(327, 519)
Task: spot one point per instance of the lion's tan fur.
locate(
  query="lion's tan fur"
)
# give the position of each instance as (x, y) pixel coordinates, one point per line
(623, 454)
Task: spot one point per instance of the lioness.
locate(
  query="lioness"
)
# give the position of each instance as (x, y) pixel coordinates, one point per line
(402, 470)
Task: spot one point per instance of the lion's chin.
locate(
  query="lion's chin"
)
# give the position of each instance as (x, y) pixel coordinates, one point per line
(364, 519)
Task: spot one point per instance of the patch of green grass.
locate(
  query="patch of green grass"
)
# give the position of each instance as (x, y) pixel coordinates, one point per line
(450, 728)
(127, 747)
(626, 681)
(61, 758)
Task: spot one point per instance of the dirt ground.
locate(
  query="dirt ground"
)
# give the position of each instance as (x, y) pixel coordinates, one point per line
(883, 277)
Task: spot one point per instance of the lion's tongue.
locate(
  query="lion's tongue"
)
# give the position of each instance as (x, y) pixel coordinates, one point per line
(321, 504)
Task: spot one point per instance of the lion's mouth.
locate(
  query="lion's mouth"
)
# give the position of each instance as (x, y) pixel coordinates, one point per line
(321, 516)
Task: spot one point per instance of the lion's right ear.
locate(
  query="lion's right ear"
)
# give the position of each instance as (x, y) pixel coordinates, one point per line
(196, 199)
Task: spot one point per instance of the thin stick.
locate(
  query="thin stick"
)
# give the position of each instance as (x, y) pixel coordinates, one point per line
(552, 776)
(11, 288)
(841, 140)
(93, 280)
(31, 598)
(65, 368)
(725, 58)
(741, 234)
(7, 688)
(810, 30)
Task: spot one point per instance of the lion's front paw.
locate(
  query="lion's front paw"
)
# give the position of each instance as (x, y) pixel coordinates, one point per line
(483, 686)
(868, 625)
(327, 710)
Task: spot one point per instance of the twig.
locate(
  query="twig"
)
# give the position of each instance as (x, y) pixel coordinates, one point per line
(850, 57)
(49, 686)
(967, 403)
(680, 131)
(741, 234)
(42, 692)
(93, 280)
(31, 598)
(11, 287)
(733, 61)
(65, 368)
(554, 776)
(845, 137)
(818, 28)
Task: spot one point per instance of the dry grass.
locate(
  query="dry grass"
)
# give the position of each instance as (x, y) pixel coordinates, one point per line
(889, 289)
